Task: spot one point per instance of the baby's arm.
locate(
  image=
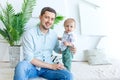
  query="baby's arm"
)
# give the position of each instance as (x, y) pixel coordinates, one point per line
(66, 43)
(71, 41)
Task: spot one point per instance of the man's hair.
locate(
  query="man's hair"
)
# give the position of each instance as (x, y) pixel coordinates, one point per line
(47, 9)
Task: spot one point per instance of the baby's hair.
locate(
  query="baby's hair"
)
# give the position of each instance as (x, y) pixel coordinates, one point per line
(71, 19)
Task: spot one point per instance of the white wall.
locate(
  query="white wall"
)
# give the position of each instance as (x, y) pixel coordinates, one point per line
(112, 16)
(69, 8)
(4, 52)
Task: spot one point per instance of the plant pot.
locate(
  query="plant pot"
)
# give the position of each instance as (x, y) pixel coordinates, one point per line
(15, 55)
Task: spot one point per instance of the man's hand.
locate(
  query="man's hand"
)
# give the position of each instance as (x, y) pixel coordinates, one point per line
(73, 49)
(60, 38)
(57, 66)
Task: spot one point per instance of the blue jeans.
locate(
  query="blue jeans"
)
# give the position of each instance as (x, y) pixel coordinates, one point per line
(25, 70)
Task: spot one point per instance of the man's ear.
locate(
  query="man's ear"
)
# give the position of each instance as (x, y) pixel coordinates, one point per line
(40, 17)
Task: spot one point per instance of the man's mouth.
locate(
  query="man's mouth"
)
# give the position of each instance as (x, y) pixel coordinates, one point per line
(47, 24)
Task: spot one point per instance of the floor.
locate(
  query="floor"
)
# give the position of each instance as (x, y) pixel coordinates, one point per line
(6, 73)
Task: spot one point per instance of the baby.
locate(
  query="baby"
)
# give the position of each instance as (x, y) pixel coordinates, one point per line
(68, 41)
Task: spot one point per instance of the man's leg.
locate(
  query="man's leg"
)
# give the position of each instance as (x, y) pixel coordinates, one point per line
(25, 70)
(55, 74)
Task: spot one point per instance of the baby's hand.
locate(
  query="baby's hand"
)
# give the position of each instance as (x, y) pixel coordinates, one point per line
(66, 43)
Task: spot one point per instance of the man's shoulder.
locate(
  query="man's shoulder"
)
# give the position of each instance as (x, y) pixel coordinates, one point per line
(30, 30)
(52, 31)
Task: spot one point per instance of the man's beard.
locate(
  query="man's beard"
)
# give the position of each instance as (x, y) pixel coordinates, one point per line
(45, 28)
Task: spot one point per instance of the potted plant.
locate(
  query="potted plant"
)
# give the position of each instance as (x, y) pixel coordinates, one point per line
(13, 29)
(14, 22)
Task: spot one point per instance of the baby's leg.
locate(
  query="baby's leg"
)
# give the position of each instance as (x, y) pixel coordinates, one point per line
(67, 58)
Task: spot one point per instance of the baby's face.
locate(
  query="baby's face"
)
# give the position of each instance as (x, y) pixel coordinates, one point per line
(69, 26)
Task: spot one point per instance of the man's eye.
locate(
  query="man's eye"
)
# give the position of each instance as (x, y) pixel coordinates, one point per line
(46, 17)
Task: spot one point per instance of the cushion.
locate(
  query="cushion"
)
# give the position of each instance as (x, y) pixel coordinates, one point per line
(56, 59)
(96, 57)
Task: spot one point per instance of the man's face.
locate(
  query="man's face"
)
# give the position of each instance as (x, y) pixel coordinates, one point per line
(47, 20)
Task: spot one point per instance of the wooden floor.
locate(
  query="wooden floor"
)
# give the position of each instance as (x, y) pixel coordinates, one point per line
(6, 73)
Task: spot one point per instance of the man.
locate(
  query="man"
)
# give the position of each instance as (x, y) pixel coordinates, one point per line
(38, 44)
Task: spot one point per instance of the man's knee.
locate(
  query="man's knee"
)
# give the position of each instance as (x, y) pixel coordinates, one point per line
(22, 65)
(68, 75)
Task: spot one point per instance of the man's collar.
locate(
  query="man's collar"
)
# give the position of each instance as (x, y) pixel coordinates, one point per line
(39, 32)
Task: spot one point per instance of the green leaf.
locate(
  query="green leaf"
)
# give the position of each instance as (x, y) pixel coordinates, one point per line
(14, 23)
(58, 19)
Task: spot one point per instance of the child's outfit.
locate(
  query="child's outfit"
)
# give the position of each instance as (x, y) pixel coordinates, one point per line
(67, 55)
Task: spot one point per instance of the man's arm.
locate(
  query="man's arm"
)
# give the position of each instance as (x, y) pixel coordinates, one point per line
(39, 63)
(28, 49)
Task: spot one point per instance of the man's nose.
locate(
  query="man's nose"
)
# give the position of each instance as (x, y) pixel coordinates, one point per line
(49, 20)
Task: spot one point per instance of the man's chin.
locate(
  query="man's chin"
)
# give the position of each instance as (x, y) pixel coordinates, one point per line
(46, 28)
